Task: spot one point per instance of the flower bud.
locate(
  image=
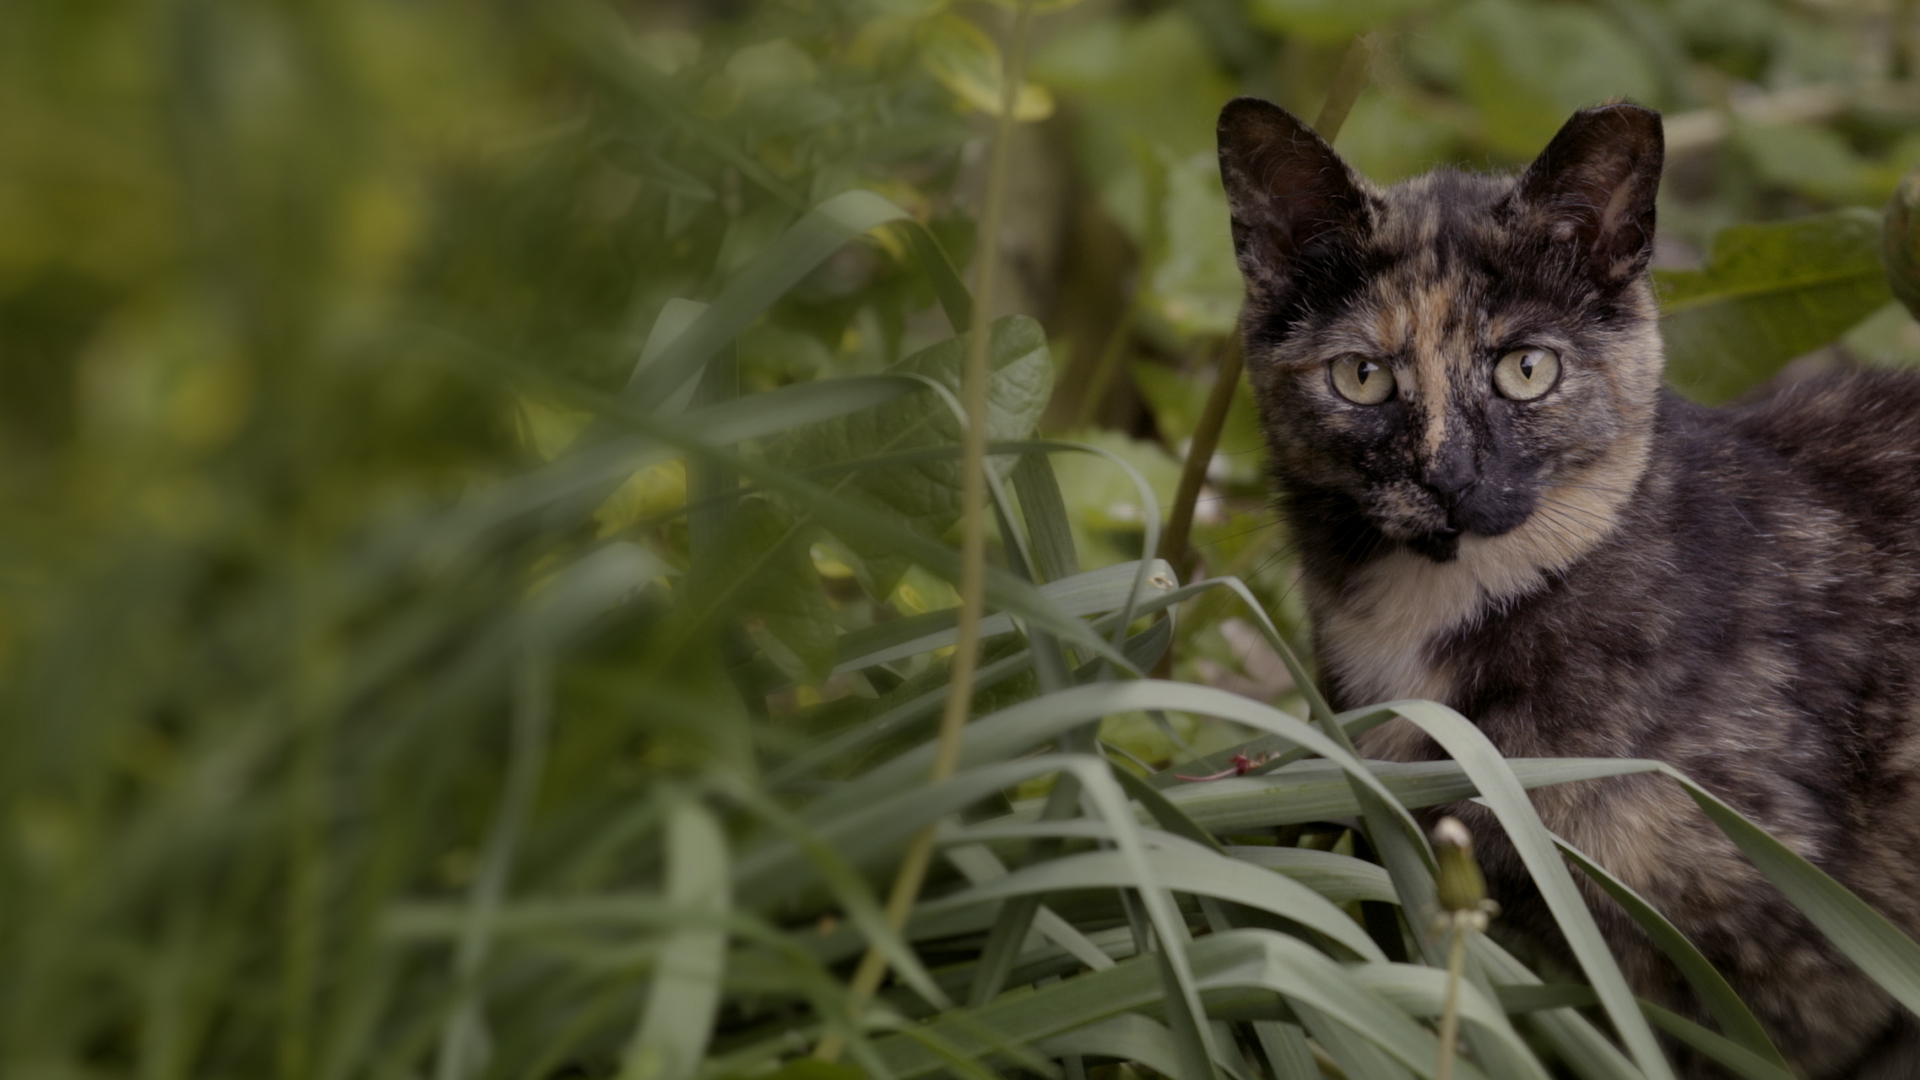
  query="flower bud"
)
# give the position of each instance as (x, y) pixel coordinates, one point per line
(1461, 886)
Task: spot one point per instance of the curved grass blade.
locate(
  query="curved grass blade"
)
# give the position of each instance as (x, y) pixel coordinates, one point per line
(1863, 934)
(1003, 590)
(1045, 511)
(1093, 592)
(1507, 798)
(684, 995)
(1422, 991)
(981, 867)
(1339, 878)
(1015, 730)
(814, 853)
(1733, 1015)
(1196, 871)
(462, 1048)
(1318, 791)
(1127, 1037)
(1171, 817)
(1731, 1055)
(1230, 961)
(1578, 1043)
(819, 233)
(1140, 650)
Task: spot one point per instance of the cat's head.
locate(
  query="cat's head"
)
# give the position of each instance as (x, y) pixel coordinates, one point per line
(1459, 356)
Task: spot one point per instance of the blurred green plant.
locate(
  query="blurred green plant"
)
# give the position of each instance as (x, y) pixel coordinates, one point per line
(477, 579)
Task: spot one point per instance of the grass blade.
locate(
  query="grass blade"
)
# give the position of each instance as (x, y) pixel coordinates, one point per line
(684, 996)
(1733, 1015)
(1507, 798)
(1863, 934)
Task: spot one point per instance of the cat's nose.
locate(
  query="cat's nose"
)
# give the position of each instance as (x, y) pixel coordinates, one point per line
(1449, 477)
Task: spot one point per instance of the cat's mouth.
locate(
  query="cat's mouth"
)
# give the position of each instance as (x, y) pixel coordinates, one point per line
(1441, 545)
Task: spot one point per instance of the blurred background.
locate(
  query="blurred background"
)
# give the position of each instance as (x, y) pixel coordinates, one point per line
(273, 279)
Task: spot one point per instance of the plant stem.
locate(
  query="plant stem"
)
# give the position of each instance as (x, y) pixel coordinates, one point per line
(973, 535)
(1450, 1010)
(1347, 84)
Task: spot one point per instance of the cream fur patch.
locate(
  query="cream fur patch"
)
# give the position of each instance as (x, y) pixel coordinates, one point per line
(1378, 633)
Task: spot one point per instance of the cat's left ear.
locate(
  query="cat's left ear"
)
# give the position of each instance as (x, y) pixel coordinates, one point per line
(1594, 186)
(1290, 194)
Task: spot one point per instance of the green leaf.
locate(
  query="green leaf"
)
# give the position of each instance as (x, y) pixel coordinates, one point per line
(763, 573)
(1128, 1036)
(1189, 870)
(1318, 790)
(1105, 589)
(1524, 66)
(1230, 961)
(1045, 511)
(819, 233)
(1805, 157)
(1578, 1044)
(925, 496)
(1900, 242)
(967, 62)
(1767, 294)
(1193, 283)
(684, 994)
(1881, 949)
(1506, 797)
(1339, 878)
(1733, 1015)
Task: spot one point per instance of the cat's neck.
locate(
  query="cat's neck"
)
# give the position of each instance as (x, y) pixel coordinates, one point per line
(1378, 610)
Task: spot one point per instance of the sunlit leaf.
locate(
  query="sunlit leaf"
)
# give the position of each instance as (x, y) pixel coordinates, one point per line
(967, 62)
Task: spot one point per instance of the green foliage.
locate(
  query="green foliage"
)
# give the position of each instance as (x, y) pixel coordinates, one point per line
(1767, 294)
(476, 536)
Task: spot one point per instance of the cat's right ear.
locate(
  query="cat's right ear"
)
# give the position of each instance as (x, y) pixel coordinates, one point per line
(1594, 187)
(1287, 190)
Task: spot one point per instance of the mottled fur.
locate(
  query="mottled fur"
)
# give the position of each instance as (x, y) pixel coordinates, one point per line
(1606, 570)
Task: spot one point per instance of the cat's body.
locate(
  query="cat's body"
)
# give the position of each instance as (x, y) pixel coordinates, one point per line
(1528, 528)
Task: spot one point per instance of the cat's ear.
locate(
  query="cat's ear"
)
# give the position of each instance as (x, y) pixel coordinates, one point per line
(1287, 190)
(1594, 186)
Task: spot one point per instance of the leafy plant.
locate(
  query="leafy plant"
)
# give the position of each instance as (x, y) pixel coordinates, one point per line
(435, 644)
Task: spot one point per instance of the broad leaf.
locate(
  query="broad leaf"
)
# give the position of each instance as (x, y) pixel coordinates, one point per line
(1768, 294)
(764, 573)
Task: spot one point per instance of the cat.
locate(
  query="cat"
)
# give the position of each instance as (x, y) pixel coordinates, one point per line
(1499, 506)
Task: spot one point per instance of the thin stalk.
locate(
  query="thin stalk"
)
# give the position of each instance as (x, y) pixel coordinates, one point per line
(1347, 84)
(1450, 1010)
(973, 535)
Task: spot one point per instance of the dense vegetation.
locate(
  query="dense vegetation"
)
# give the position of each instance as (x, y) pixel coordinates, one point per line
(486, 525)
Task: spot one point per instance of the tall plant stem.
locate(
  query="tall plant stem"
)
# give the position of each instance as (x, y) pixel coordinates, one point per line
(1450, 1010)
(973, 531)
(1347, 84)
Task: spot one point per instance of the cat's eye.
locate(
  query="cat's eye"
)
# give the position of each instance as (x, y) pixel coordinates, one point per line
(1525, 374)
(1361, 381)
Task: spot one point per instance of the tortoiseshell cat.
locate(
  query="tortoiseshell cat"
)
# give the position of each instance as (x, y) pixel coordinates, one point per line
(1498, 506)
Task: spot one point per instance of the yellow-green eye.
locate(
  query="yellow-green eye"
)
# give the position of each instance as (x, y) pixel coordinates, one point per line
(1525, 374)
(1362, 381)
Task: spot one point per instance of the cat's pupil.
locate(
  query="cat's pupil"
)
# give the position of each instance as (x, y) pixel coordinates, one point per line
(1366, 369)
(1526, 366)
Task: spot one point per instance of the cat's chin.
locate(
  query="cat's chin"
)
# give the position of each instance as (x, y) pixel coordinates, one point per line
(1442, 546)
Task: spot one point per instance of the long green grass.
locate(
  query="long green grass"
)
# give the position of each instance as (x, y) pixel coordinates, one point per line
(480, 596)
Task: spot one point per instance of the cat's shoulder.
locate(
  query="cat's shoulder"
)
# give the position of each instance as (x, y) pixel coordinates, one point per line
(1851, 431)
(1834, 404)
